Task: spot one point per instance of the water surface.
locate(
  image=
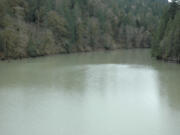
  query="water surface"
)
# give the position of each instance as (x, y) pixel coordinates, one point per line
(121, 92)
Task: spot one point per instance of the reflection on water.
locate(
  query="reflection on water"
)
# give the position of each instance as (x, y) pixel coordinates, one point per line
(105, 93)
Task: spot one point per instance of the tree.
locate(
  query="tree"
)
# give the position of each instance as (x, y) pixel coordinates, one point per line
(167, 41)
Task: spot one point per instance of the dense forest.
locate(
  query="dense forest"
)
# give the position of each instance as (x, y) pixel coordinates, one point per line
(166, 43)
(30, 28)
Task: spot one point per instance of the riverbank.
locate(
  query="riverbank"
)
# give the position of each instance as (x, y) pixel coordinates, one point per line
(87, 50)
(31, 29)
(170, 59)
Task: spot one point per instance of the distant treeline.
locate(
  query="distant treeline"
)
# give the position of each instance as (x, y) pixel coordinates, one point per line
(166, 43)
(30, 28)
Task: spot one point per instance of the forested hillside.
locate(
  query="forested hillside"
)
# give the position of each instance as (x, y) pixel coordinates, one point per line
(167, 38)
(30, 28)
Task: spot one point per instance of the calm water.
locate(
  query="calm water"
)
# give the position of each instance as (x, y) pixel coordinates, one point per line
(103, 93)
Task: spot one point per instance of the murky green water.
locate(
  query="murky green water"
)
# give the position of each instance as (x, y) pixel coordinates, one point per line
(103, 93)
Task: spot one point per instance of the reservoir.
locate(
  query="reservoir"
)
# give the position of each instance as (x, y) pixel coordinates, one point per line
(123, 92)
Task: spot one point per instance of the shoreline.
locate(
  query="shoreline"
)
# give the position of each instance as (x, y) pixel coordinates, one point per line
(168, 60)
(73, 52)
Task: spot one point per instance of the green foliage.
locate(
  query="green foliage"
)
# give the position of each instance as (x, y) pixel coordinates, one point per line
(42, 27)
(166, 43)
(14, 38)
(41, 44)
(57, 24)
(32, 48)
(1, 43)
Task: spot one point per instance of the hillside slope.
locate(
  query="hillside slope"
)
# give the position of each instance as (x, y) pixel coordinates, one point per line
(30, 28)
(166, 44)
